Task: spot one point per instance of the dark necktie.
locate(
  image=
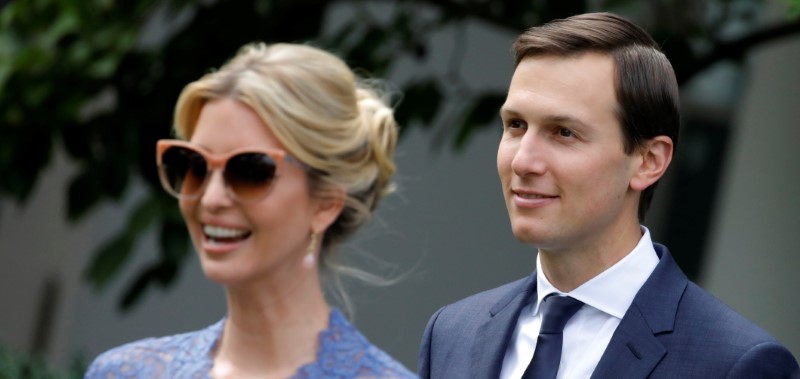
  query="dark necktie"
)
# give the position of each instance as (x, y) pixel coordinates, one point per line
(556, 311)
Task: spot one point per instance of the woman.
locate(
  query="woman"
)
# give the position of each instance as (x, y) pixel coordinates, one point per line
(283, 154)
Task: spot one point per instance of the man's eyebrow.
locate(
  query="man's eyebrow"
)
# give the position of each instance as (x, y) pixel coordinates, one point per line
(504, 110)
(554, 118)
(562, 119)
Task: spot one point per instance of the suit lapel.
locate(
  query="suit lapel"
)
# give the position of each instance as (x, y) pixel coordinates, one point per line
(489, 348)
(634, 349)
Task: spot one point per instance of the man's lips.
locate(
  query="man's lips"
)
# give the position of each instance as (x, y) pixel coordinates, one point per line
(531, 199)
(531, 194)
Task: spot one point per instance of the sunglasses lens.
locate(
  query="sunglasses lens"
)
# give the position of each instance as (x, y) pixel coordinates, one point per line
(250, 174)
(183, 171)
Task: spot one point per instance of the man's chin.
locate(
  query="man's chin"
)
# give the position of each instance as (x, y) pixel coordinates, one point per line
(528, 236)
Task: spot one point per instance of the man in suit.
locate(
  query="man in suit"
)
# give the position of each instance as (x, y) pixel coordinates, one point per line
(590, 125)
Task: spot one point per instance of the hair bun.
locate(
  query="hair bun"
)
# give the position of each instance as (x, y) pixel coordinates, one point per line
(381, 128)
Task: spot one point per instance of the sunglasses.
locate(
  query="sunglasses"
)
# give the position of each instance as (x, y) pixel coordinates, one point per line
(185, 169)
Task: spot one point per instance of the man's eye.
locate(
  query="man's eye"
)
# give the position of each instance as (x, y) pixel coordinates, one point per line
(516, 124)
(564, 132)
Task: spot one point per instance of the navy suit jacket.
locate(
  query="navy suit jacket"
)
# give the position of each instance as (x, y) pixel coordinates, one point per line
(673, 329)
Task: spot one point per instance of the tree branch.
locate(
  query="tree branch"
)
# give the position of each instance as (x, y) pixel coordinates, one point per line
(505, 15)
(736, 49)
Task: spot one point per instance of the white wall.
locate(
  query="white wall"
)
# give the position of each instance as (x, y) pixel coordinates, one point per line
(754, 254)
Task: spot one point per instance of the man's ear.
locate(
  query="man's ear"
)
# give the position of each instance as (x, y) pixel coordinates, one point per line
(328, 205)
(656, 156)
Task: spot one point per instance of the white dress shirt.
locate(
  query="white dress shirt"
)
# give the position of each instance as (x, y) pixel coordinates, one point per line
(607, 297)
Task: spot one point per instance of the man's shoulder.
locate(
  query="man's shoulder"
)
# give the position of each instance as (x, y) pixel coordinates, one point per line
(477, 307)
(700, 309)
(453, 327)
(488, 298)
(673, 302)
(709, 335)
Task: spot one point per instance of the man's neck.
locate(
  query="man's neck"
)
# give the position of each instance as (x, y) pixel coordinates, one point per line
(568, 269)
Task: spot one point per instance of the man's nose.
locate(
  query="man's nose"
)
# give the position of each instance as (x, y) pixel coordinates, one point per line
(530, 157)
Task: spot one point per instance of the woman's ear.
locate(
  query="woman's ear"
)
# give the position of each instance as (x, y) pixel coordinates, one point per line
(328, 205)
(656, 156)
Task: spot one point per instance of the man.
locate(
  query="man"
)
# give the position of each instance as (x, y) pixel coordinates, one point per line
(590, 125)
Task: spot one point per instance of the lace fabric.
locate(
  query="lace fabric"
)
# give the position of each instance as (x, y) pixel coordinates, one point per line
(343, 353)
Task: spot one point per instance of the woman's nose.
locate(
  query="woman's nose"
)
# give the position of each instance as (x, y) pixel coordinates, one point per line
(216, 194)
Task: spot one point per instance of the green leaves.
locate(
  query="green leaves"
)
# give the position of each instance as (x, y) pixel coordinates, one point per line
(18, 365)
(54, 57)
(794, 8)
(23, 155)
(111, 257)
(174, 243)
(158, 212)
(483, 111)
(72, 76)
(421, 102)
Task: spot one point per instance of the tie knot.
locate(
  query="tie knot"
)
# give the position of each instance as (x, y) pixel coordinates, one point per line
(556, 311)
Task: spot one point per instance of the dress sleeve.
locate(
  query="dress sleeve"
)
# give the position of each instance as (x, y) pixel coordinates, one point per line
(346, 354)
(135, 360)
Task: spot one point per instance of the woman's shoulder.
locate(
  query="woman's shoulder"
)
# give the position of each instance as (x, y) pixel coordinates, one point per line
(346, 353)
(159, 357)
(382, 365)
(143, 358)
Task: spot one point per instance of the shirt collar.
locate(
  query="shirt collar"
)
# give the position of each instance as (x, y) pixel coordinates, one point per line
(613, 290)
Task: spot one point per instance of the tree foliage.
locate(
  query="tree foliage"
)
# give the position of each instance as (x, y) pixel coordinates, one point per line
(20, 365)
(99, 78)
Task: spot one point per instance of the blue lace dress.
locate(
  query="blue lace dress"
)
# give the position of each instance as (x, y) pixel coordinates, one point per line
(343, 353)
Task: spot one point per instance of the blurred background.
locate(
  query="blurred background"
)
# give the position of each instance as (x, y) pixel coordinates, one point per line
(93, 254)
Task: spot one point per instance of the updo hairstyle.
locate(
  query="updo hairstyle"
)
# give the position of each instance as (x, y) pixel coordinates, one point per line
(338, 125)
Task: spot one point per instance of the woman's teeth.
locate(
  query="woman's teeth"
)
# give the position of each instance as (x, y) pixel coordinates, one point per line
(222, 233)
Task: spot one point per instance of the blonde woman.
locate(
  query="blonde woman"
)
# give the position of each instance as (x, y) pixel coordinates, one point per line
(283, 153)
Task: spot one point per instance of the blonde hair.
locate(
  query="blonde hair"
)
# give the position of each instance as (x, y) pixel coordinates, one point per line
(326, 117)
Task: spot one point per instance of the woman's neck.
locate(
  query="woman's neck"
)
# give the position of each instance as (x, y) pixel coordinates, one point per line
(271, 331)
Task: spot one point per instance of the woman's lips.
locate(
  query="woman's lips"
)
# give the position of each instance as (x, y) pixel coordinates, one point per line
(221, 240)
